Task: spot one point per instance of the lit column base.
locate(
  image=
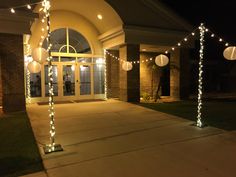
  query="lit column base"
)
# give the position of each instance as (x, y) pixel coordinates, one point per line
(202, 125)
(48, 148)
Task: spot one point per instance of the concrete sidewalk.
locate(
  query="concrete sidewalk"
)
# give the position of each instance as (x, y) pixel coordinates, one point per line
(118, 139)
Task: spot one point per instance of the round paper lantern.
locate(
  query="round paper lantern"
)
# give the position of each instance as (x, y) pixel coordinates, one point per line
(127, 66)
(40, 55)
(161, 60)
(34, 67)
(230, 53)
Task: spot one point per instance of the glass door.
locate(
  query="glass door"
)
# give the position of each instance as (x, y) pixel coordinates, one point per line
(85, 79)
(68, 80)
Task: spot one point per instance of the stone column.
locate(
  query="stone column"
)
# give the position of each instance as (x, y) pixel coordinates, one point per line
(175, 74)
(130, 80)
(12, 72)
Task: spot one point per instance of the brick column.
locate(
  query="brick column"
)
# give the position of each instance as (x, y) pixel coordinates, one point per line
(0, 83)
(175, 75)
(184, 73)
(12, 72)
(112, 75)
(130, 80)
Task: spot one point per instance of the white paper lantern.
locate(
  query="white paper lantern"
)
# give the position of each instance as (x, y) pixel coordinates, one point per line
(161, 60)
(127, 66)
(40, 55)
(230, 53)
(34, 67)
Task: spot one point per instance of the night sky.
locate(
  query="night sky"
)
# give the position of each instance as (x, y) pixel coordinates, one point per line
(220, 16)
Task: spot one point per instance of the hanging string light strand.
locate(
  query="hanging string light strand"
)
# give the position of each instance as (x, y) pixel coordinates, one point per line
(172, 48)
(218, 38)
(27, 6)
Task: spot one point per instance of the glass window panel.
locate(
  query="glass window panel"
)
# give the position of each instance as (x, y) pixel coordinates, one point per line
(55, 80)
(67, 59)
(79, 42)
(55, 59)
(63, 49)
(69, 80)
(58, 39)
(84, 60)
(99, 68)
(35, 84)
(85, 80)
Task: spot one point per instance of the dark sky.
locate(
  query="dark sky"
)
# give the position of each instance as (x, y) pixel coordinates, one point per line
(220, 16)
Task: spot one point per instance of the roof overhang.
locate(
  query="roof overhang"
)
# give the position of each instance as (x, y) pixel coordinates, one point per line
(18, 23)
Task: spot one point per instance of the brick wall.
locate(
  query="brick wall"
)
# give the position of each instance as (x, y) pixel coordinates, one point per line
(113, 75)
(12, 72)
(149, 74)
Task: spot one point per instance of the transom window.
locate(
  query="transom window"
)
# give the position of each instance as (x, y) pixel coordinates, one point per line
(66, 40)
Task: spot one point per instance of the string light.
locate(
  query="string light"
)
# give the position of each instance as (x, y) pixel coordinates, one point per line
(200, 82)
(105, 74)
(28, 87)
(220, 39)
(13, 10)
(27, 61)
(52, 147)
(28, 6)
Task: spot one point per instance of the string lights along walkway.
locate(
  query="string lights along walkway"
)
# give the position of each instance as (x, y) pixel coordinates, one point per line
(46, 7)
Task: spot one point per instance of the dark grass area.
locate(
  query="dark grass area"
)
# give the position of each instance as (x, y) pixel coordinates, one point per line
(216, 113)
(19, 153)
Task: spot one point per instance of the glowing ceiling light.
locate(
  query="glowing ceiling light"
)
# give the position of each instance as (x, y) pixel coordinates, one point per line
(99, 16)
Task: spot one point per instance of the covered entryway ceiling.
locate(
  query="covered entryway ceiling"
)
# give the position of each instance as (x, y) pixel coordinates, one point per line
(89, 9)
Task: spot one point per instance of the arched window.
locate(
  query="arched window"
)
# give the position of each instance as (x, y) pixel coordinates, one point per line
(65, 40)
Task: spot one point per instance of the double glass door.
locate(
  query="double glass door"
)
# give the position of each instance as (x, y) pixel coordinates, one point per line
(70, 80)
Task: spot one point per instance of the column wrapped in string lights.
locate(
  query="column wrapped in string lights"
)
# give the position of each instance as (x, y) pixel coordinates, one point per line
(28, 86)
(105, 75)
(52, 147)
(200, 82)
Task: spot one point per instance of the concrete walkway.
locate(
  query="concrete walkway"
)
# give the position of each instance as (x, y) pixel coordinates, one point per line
(118, 139)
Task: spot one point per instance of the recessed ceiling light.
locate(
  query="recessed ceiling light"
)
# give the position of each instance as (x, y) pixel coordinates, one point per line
(144, 49)
(99, 16)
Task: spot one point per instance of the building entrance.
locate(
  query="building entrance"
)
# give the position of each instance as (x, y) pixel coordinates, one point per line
(77, 73)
